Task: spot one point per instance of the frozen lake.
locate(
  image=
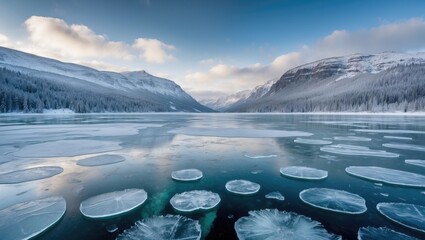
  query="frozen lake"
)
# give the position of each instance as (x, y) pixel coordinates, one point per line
(80, 156)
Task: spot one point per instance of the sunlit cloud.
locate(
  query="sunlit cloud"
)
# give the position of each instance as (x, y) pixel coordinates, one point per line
(77, 43)
(74, 40)
(154, 51)
(4, 40)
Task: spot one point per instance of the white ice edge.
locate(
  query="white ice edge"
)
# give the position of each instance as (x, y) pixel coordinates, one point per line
(381, 180)
(329, 209)
(112, 214)
(305, 178)
(386, 203)
(242, 193)
(195, 209)
(186, 179)
(56, 220)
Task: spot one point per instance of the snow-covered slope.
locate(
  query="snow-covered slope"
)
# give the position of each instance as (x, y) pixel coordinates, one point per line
(135, 84)
(233, 100)
(353, 65)
(350, 78)
(223, 102)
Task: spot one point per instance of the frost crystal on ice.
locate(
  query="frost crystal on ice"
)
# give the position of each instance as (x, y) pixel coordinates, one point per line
(104, 159)
(274, 224)
(29, 219)
(195, 200)
(187, 175)
(404, 146)
(312, 141)
(371, 233)
(416, 162)
(334, 200)
(30, 174)
(408, 215)
(357, 151)
(113, 203)
(275, 195)
(304, 173)
(387, 175)
(163, 228)
(242, 187)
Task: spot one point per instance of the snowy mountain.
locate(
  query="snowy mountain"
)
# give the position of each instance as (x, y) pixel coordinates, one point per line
(375, 82)
(139, 88)
(232, 101)
(223, 102)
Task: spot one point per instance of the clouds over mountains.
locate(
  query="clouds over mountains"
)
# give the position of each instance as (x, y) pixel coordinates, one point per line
(400, 36)
(53, 37)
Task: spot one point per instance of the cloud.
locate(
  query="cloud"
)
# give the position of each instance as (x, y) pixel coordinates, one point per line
(154, 51)
(72, 41)
(4, 40)
(208, 61)
(400, 36)
(77, 43)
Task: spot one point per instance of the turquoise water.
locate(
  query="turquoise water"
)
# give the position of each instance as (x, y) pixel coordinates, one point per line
(153, 151)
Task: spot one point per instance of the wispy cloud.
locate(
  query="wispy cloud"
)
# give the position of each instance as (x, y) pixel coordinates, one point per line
(400, 36)
(154, 51)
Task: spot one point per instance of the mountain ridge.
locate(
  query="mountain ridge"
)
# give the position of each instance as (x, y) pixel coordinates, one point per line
(137, 85)
(307, 87)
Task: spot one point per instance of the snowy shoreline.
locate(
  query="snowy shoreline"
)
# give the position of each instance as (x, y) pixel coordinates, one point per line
(70, 112)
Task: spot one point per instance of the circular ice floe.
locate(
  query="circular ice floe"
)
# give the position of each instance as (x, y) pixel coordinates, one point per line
(275, 195)
(113, 203)
(163, 228)
(238, 132)
(398, 138)
(312, 141)
(389, 131)
(187, 175)
(353, 138)
(29, 219)
(30, 174)
(104, 159)
(306, 173)
(357, 151)
(416, 162)
(334, 200)
(242, 187)
(274, 224)
(408, 215)
(195, 200)
(67, 148)
(371, 233)
(404, 146)
(387, 175)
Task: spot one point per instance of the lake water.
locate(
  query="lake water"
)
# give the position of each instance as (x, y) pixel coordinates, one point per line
(224, 148)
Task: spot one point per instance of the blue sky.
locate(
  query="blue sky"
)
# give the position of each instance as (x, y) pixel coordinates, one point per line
(210, 48)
